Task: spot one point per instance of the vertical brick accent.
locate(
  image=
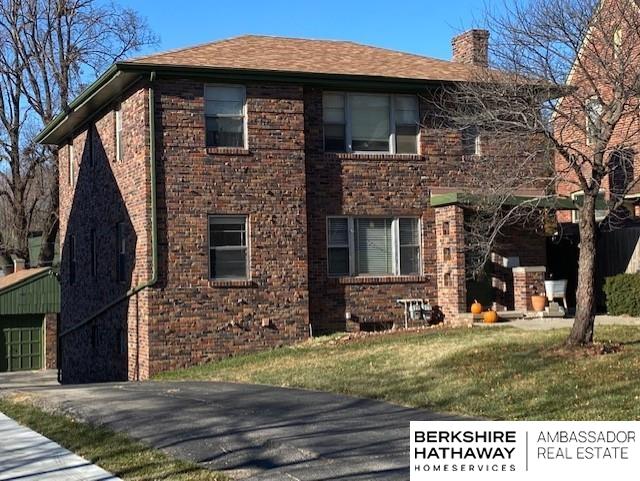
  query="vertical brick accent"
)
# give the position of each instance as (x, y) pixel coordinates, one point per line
(472, 47)
(365, 185)
(452, 294)
(51, 340)
(525, 279)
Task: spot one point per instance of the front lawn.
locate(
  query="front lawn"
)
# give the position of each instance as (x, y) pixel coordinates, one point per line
(499, 373)
(116, 453)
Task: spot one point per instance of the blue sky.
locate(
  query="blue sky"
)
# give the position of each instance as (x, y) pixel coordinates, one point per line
(424, 27)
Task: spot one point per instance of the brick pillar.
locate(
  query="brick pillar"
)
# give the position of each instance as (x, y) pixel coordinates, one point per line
(452, 289)
(51, 340)
(525, 279)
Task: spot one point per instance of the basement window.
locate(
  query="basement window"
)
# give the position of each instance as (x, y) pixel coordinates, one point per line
(228, 247)
(371, 123)
(225, 116)
(373, 246)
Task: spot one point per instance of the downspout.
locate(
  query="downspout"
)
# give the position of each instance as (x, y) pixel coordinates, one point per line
(154, 228)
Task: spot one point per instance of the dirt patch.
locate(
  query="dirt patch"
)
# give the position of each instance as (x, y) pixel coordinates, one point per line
(591, 350)
(362, 336)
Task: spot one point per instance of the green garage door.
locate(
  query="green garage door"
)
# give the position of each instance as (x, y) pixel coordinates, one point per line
(21, 346)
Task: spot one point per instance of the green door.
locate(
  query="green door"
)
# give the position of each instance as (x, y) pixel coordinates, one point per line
(21, 346)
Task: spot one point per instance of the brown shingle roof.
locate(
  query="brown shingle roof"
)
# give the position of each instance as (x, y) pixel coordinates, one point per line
(17, 277)
(279, 54)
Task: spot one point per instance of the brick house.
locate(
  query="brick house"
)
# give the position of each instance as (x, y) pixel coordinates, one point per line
(592, 87)
(609, 52)
(249, 192)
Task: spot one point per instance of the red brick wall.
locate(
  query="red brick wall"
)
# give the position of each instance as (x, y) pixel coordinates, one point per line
(287, 186)
(106, 192)
(451, 260)
(527, 282)
(361, 185)
(193, 319)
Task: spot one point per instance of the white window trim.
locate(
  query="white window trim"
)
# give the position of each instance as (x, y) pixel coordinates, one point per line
(348, 140)
(574, 213)
(118, 122)
(477, 145)
(245, 123)
(71, 168)
(247, 228)
(395, 245)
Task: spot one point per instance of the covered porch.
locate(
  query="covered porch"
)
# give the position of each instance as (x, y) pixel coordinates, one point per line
(516, 269)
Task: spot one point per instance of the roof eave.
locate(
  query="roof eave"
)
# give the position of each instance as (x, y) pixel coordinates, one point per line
(107, 86)
(18, 284)
(111, 83)
(319, 78)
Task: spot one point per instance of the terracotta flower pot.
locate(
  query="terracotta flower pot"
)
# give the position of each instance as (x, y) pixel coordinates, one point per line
(476, 307)
(538, 303)
(490, 317)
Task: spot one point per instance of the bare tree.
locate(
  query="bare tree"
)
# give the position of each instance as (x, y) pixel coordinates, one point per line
(48, 50)
(559, 109)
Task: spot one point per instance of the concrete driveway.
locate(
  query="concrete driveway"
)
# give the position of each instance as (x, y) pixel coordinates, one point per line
(253, 432)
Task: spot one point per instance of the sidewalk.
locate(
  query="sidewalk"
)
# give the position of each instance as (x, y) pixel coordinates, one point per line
(27, 455)
(539, 324)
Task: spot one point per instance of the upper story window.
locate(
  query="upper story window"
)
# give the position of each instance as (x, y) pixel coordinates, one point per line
(89, 148)
(593, 113)
(363, 122)
(72, 259)
(121, 252)
(119, 142)
(70, 163)
(228, 247)
(373, 246)
(225, 115)
(93, 257)
(618, 38)
(621, 172)
(471, 141)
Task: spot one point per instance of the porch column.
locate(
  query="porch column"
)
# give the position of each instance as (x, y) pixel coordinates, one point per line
(526, 280)
(452, 289)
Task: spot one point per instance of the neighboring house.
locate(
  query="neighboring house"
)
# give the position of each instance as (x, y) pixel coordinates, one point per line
(29, 307)
(600, 60)
(583, 110)
(246, 193)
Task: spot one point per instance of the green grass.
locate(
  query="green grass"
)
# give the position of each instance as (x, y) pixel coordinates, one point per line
(498, 373)
(118, 454)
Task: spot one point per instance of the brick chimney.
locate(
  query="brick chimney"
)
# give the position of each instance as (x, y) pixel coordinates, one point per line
(472, 48)
(18, 265)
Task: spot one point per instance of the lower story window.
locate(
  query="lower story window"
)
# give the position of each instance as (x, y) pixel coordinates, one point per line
(373, 246)
(228, 247)
(601, 206)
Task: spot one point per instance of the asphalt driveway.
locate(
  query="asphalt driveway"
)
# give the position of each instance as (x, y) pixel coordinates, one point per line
(253, 432)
